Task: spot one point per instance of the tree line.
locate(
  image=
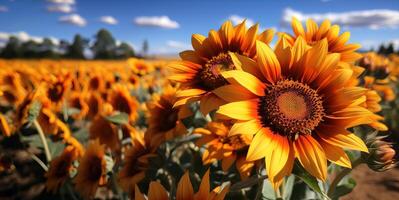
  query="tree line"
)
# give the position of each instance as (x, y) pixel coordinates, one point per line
(104, 46)
(386, 50)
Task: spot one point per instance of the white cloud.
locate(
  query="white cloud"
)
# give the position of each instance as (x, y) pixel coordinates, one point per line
(3, 8)
(157, 21)
(236, 19)
(177, 45)
(24, 37)
(73, 19)
(70, 2)
(63, 8)
(108, 20)
(373, 19)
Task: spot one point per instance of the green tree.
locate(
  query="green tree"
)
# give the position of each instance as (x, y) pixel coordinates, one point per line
(104, 45)
(30, 49)
(76, 49)
(12, 48)
(47, 49)
(145, 48)
(382, 49)
(124, 50)
(390, 49)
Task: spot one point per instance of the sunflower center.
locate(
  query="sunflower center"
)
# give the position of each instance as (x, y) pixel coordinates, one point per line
(210, 76)
(291, 108)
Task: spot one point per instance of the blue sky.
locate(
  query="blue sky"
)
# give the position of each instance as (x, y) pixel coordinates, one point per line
(370, 22)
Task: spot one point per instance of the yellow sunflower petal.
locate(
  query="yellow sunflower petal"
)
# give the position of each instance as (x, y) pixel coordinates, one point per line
(210, 102)
(311, 29)
(247, 127)
(297, 27)
(246, 64)
(277, 158)
(266, 36)
(246, 80)
(268, 62)
(229, 93)
(261, 145)
(196, 41)
(241, 110)
(311, 155)
(226, 33)
(336, 154)
(341, 138)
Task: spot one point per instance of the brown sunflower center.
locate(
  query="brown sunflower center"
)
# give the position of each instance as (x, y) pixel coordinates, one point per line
(210, 76)
(291, 108)
(96, 170)
(56, 92)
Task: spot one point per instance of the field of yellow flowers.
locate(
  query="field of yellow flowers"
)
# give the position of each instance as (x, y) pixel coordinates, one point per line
(233, 118)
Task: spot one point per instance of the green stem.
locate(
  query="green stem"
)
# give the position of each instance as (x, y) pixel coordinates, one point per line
(40, 162)
(341, 175)
(43, 139)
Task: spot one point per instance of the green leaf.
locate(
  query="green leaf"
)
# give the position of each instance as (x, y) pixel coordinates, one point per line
(120, 118)
(344, 189)
(289, 186)
(34, 111)
(56, 148)
(311, 181)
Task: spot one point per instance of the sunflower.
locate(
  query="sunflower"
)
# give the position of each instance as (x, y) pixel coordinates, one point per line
(95, 103)
(185, 190)
(298, 105)
(136, 163)
(165, 120)
(314, 34)
(219, 146)
(58, 87)
(91, 170)
(77, 101)
(60, 168)
(105, 131)
(121, 101)
(140, 67)
(199, 72)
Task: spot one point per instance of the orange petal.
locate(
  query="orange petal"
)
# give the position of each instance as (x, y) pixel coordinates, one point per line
(157, 191)
(246, 64)
(184, 188)
(137, 194)
(210, 102)
(297, 27)
(204, 188)
(311, 155)
(266, 36)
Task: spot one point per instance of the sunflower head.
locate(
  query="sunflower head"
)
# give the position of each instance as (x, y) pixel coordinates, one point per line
(337, 43)
(200, 70)
(105, 132)
(298, 102)
(140, 67)
(220, 146)
(122, 101)
(91, 170)
(60, 168)
(165, 120)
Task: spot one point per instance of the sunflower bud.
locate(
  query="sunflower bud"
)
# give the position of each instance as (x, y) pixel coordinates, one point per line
(381, 157)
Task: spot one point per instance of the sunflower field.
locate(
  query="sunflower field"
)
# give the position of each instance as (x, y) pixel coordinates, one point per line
(235, 117)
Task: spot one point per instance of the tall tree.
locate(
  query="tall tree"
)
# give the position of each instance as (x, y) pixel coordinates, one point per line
(12, 48)
(47, 49)
(145, 48)
(381, 49)
(390, 49)
(104, 46)
(76, 49)
(124, 50)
